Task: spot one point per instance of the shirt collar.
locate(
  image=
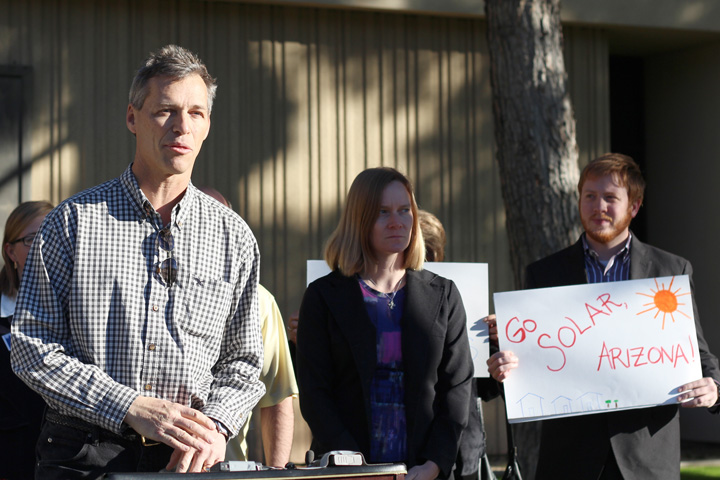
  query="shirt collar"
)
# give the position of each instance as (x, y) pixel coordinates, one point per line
(622, 255)
(144, 208)
(132, 191)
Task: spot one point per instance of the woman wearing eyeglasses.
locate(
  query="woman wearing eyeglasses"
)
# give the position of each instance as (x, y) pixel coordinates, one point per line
(21, 409)
(383, 360)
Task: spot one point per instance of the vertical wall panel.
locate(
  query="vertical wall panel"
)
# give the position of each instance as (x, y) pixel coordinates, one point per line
(586, 62)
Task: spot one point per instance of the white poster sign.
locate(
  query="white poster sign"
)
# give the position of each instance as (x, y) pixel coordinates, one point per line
(471, 280)
(598, 347)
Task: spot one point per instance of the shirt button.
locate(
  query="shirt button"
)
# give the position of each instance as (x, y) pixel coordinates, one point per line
(155, 308)
(148, 386)
(151, 347)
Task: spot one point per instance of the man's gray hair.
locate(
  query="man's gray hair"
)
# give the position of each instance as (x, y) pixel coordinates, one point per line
(174, 62)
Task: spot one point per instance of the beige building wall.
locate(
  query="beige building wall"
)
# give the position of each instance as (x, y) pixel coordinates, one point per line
(307, 98)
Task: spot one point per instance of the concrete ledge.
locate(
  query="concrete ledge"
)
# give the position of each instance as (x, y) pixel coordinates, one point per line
(698, 15)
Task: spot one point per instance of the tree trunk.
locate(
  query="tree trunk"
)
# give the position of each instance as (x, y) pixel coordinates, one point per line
(536, 148)
(534, 128)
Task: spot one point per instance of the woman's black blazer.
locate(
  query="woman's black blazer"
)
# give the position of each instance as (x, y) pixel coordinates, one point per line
(336, 358)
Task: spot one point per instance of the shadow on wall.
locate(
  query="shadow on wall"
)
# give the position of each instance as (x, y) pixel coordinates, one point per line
(307, 98)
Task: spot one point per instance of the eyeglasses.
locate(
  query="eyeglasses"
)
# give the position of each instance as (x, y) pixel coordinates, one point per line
(27, 239)
(167, 269)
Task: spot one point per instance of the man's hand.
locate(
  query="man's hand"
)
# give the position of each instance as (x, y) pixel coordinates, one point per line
(427, 471)
(700, 393)
(491, 320)
(183, 428)
(195, 461)
(293, 326)
(501, 364)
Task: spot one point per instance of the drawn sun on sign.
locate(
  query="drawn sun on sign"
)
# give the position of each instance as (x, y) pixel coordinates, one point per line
(664, 300)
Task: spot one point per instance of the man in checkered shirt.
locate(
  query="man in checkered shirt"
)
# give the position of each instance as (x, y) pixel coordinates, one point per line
(137, 319)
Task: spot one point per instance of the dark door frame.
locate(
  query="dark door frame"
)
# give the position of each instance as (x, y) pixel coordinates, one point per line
(25, 75)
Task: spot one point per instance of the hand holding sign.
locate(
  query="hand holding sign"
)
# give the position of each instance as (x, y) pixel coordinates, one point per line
(700, 393)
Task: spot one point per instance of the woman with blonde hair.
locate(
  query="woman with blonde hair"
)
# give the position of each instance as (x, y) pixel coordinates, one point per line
(20, 408)
(383, 360)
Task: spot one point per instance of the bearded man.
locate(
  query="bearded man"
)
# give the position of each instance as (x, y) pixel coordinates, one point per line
(629, 444)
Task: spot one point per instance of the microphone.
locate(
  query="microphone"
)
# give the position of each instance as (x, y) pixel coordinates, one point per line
(309, 457)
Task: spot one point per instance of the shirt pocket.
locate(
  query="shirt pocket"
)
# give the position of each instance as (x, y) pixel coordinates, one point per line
(207, 306)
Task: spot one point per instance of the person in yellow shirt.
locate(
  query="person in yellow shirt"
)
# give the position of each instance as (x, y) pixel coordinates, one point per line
(276, 406)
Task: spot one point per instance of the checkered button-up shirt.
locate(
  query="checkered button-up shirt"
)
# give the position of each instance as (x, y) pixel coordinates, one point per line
(96, 324)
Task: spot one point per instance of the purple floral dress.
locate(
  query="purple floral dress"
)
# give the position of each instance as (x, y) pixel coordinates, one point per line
(387, 390)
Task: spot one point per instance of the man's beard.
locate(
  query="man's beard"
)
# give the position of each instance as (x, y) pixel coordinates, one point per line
(606, 236)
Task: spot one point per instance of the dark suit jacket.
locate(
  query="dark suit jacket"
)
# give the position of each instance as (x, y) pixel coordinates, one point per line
(645, 442)
(336, 358)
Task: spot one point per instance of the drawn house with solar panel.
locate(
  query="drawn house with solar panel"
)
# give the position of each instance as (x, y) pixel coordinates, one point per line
(531, 405)
(589, 401)
(562, 405)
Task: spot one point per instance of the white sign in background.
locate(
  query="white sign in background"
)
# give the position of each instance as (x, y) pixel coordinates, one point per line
(599, 347)
(471, 280)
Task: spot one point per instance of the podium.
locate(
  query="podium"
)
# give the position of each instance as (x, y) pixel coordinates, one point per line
(393, 471)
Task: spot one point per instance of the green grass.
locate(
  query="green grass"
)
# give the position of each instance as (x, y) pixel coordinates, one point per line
(699, 473)
(686, 473)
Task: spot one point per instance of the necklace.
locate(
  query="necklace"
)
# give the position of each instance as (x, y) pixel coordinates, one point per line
(390, 296)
